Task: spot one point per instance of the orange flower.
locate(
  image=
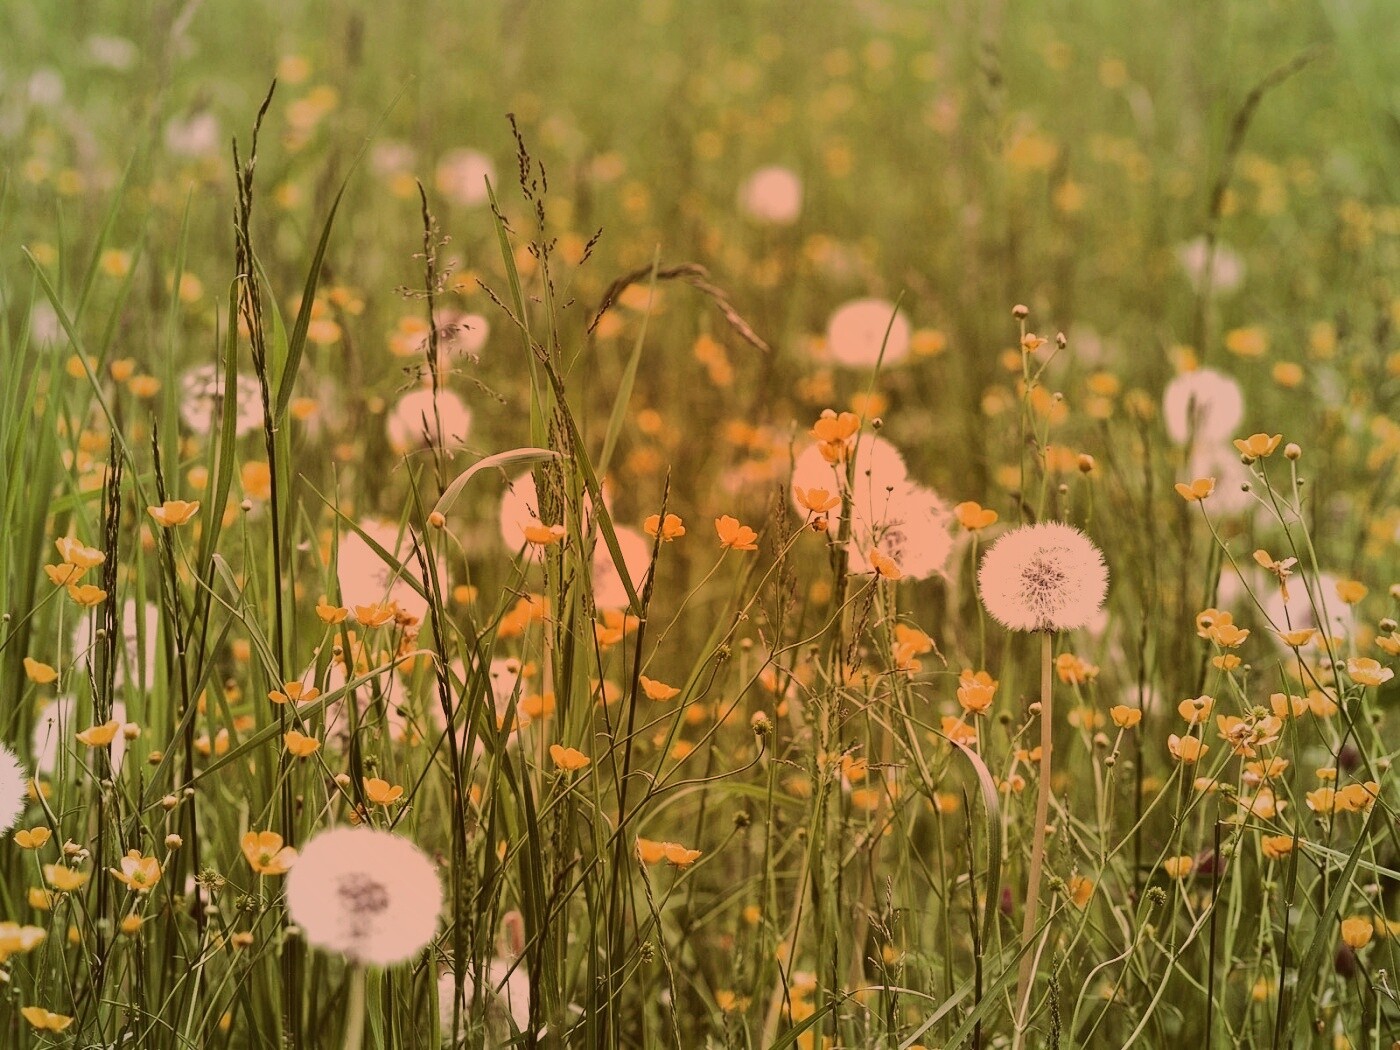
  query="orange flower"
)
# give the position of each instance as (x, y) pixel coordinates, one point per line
(295, 692)
(1351, 591)
(568, 759)
(138, 872)
(1257, 446)
(1186, 749)
(649, 852)
(679, 855)
(45, 1020)
(299, 744)
(1357, 932)
(543, 535)
(101, 735)
(266, 854)
(1365, 671)
(75, 552)
(657, 690)
(375, 615)
(173, 512)
(832, 429)
(973, 516)
(1228, 635)
(1276, 847)
(1080, 890)
(670, 529)
(1197, 490)
(958, 731)
(734, 535)
(884, 567)
(1297, 639)
(816, 500)
(976, 689)
(87, 594)
(1125, 717)
(1179, 867)
(32, 838)
(331, 614)
(37, 672)
(59, 575)
(381, 792)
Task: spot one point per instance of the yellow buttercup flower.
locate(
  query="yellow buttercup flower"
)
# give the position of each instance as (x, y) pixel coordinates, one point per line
(32, 838)
(138, 872)
(173, 512)
(45, 1020)
(568, 759)
(381, 792)
(670, 529)
(1257, 446)
(658, 690)
(100, 735)
(265, 853)
(37, 672)
(1197, 490)
(299, 744)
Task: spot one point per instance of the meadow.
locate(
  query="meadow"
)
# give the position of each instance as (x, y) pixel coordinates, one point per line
(625, 523)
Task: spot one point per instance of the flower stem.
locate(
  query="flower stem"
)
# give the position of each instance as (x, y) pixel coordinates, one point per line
(1026, 977)
(355, 1009)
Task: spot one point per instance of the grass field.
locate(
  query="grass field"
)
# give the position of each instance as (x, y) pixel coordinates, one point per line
(511, 528)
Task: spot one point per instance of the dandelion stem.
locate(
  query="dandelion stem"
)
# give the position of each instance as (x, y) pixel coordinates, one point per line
(355, 1009)
(1026, 978)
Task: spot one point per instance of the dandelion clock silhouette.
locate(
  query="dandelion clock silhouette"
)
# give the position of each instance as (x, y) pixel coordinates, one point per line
(1048, 577)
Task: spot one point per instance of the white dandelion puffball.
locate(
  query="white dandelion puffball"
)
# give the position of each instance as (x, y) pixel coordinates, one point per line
(772, 195)
(366, 578)
(461, 176)
(422, 418)
(1222, 463)
(1297, 613)
(856, 332)
(465, 334)
(507, 993)
(912, 531)
(879, 468)
(520, 509)
(389, 157)
(370, 895)
(1046, 577)
(608, 589)
(200, 390)
(1205, 398)
(1227, 271)
(14, 791)
(194, 136)
(56, 726)
(136, 659)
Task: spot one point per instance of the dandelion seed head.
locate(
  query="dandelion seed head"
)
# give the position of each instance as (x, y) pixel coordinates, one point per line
(1227, 268)
(200, 391)
(855, 334)
(1046, 577)
(911, 529)
(772, 195)
(366, 579)
(13, 788)
(54, 729)
(461, 176)
(878, 468)
(608, 589)
(421, 418)
(370, 895)
(1210, 400)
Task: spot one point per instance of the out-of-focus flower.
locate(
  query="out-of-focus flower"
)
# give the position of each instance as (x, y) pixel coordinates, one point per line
(856, 334)
(772, 195)
(370, 895)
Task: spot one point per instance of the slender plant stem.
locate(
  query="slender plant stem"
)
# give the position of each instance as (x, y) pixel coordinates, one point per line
(1026, 978)
(355, 1009)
